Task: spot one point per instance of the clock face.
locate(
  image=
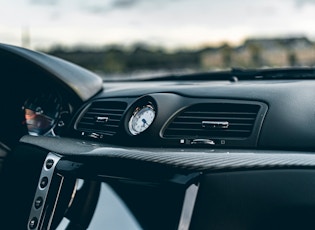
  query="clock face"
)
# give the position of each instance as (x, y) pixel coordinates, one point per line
(141, 119)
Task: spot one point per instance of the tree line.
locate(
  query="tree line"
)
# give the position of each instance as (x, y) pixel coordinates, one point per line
(252, 53)
(117, 59)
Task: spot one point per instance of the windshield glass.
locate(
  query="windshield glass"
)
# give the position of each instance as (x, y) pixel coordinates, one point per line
(127, 38)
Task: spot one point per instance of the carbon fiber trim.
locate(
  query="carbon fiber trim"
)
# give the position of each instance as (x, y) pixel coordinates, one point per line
(187, 159)
(214, 161)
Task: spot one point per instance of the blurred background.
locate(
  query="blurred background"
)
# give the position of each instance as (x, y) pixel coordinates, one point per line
(156, 37)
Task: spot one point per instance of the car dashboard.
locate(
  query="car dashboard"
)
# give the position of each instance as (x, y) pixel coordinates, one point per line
(181, 154)
(250, 115)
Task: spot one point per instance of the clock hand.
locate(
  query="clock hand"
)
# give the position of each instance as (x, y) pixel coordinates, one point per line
(144, 122)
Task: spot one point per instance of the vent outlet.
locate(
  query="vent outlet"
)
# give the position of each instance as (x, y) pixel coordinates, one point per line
(214, 120)
(102, 117)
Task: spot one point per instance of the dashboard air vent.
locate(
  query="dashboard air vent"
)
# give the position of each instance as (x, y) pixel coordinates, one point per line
(214, 120)
(102, 117)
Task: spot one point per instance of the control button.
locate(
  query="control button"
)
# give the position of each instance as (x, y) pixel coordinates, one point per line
(49, 163)
(33, 223)
(43, 182)
(38, 202)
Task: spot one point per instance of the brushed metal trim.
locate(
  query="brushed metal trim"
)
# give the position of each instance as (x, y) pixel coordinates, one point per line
(43, 192)
(188, 207)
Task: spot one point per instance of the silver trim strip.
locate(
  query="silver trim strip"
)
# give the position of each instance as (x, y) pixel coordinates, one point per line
(55, 204)
(188, 207)
(47, 172)
(215, 124)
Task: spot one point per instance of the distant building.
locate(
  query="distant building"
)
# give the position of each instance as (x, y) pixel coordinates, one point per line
(273, 52)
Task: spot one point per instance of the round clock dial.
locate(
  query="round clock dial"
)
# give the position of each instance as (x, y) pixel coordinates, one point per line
(141, 119)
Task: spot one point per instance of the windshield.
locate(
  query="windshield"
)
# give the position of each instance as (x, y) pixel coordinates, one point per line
(128, 38)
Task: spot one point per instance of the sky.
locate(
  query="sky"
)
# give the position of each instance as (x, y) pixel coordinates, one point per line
(166, 23)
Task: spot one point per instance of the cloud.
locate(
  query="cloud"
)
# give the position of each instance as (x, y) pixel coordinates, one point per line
(101, 6)
(45, 2)
(304, 2)
(96, 9)
(106, 6)
(124, 3)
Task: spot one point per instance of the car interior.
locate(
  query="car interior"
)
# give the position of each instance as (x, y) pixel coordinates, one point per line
(214, 150)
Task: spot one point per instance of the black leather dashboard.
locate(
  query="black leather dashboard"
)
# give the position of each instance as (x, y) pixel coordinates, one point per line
(285, 122)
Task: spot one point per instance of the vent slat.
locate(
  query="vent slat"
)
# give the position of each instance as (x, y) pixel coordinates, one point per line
(91, 120)
(203, 113)
(189, 124)
(113, 110)
(217, 118)
(112, 117)
(180, 123)
(93, 114)
(107, 109)
(205, 131)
